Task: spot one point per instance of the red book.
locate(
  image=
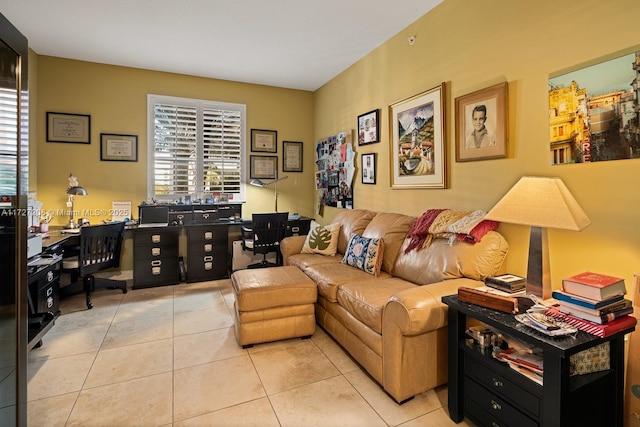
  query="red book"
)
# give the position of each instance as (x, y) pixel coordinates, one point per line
(595, 286)
(604, 330)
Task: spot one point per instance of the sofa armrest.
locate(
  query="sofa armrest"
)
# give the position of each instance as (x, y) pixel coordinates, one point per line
(290, 246)
(420, 310)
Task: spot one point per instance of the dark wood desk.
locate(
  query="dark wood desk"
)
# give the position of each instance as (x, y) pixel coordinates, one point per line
(489, 392)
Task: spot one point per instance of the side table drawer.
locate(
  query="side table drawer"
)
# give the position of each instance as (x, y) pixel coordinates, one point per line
(491, 409)
(502, 387)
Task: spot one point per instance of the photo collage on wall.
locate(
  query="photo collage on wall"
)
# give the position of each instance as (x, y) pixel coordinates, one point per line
(335, 170)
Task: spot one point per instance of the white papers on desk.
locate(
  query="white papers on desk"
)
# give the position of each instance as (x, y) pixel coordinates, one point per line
(70, 231)
(120, 210)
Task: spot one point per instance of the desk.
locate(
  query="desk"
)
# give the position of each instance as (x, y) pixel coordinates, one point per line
(160, 259)
(491, 393)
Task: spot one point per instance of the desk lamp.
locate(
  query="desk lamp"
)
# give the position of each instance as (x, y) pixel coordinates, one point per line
(541, 203)
(73, 190)
(260, 183)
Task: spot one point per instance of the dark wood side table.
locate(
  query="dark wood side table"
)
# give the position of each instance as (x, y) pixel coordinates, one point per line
(491, 393)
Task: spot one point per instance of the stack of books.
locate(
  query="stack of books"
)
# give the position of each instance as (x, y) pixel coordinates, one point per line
(594, 303)
(509, 283)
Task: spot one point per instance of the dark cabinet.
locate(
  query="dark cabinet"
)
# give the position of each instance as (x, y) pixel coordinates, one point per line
(44, 298)
(155, 257)
(207, 252)
(492, 394)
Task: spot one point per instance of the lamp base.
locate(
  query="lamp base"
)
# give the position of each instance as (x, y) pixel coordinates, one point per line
(71, 225)
(538, 273)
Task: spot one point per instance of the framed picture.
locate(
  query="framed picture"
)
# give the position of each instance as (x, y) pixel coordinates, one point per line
(263, 167)
(417, 141)
(481, 124)
(264, 140)
(291, 156)
(593, 111)
(369, 168)
(368, 128)
(63, 127)
(118, 148)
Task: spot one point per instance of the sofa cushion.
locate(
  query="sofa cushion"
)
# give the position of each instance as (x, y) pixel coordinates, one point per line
(365, 254)
(443, 260)
(352, 221)
(322, 240)
(330, 276)
(303, 261)
(366, 300)
(392, 228)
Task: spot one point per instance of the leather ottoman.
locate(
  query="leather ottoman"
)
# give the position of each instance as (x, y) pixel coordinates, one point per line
(273, 304)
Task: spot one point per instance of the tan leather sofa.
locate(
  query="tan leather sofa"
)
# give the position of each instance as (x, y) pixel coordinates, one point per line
(395, 325)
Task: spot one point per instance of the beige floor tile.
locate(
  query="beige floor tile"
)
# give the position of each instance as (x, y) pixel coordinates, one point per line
(257, 413)
(385, 406)
(205, 388)
(197, 299)
(97, 316)
(331, 402)
(138, 331)
(140, 309)
(436, 418)
(129, 362)
(334, 352)
(67, 343)
(140, 402)
(190, 322)
(150, 294)
(205, 347)
(75, 301)
(57, 376)
(50, 412)
(294, 365)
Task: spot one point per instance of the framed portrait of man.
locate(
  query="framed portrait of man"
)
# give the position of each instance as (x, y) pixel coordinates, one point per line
(481, 124)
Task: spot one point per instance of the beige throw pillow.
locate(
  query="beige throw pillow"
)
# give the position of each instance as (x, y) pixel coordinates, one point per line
(322, 240)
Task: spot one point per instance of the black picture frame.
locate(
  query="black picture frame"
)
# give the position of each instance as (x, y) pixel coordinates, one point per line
(368, 168)
(292, 156)
(369, 127)
(116, 147)
(70, 128)
(263, 167)
(264, 141)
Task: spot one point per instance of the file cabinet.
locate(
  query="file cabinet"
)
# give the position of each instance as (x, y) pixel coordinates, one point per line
(207, 252)
(155, 257)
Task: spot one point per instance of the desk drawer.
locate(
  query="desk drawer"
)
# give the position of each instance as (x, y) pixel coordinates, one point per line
(494, 406)
(207, 266)
(161, 271)
(155, 252)
(202, 235)
(157, 237)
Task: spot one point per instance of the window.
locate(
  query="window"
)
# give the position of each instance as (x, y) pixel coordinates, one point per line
(195, 148)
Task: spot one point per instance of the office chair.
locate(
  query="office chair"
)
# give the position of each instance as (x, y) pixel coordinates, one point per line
(264, 236)
(99, 250)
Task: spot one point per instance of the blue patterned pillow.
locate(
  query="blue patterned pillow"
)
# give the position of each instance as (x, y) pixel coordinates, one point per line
(364, 253)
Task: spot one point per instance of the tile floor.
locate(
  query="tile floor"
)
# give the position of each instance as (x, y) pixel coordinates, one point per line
(167, 356)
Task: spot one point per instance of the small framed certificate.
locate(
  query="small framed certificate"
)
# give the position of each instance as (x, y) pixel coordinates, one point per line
(264, 140)
(291, 156)
(118, 148)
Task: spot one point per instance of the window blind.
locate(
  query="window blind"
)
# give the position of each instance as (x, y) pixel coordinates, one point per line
(196, 149)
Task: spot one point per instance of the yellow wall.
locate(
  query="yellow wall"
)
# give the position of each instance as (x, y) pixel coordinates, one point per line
(116, 99)
(472, 45)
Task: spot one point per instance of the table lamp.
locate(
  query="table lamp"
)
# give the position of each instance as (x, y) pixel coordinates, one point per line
(260, 183)
(73, 190)
(541, 203)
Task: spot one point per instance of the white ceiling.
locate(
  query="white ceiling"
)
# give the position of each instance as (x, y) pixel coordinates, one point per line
(300, 44)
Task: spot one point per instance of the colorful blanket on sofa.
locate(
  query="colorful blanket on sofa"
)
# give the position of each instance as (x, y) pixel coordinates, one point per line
(467, 226)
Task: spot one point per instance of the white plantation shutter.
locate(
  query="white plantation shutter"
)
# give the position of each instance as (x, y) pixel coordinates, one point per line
(8, 137)
(196, 148)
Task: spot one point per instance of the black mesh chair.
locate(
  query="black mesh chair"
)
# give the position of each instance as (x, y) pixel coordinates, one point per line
(264, 236)
(99, 250)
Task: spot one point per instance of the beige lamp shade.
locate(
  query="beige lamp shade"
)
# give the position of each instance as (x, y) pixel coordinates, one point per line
(540, 202)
